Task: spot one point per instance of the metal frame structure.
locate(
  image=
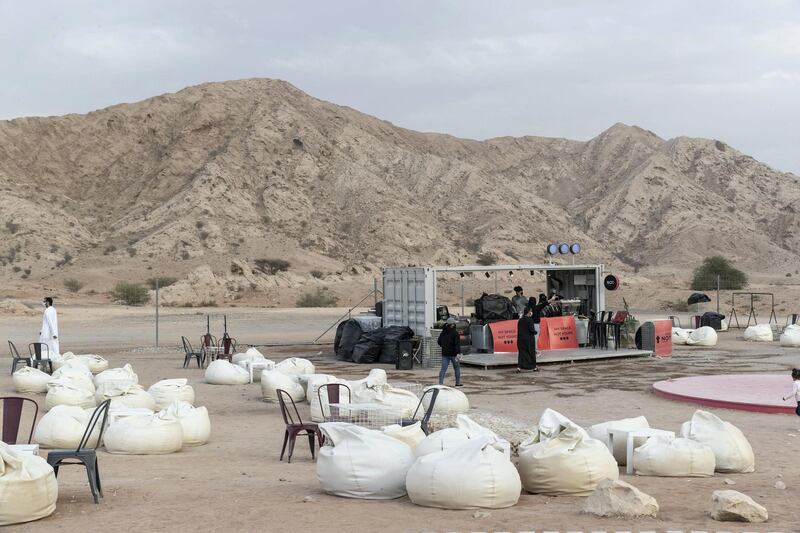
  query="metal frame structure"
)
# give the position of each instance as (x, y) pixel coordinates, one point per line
(752, 311)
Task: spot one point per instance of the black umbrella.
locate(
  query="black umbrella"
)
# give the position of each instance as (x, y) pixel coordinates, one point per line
(697, 297)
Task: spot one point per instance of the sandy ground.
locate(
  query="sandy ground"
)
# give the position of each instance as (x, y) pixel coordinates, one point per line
(236, 483)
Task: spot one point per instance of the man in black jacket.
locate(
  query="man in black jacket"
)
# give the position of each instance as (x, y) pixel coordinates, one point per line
(451, 350)
(526, 343)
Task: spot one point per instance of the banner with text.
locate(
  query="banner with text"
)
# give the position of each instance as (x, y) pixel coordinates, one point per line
(504, 335)
(557, 332)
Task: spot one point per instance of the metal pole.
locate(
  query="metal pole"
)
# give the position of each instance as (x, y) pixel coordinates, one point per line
(462, 298)
(375, 290)
(156, 312)
(717, 293)
(208, 324)
(495, 281)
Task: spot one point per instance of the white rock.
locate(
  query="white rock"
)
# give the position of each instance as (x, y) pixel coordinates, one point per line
(780, 485)
(733, 506)
(728, 481)
(617, 498)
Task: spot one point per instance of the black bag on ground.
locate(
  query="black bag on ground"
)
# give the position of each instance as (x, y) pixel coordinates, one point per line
(391, 342)
(369, 346)
(351, 333)
(338, 339)
(405, 358)
(494, 307)
(712, 319)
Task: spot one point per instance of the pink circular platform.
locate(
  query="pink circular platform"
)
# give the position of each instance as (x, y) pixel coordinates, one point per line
(761, 393)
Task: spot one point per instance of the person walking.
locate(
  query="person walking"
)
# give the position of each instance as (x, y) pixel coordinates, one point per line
(49, 333)
(451, 350)
(795, 389)
(519, 301)
(526, 343)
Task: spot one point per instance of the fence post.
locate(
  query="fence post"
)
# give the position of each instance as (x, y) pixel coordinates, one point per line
(718, 294)
(156, 312)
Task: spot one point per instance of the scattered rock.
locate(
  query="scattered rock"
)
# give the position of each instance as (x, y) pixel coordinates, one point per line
(481, 514)
(733, 506)
(729, 481)
(780, 485)
(308, 499)
(617, 498)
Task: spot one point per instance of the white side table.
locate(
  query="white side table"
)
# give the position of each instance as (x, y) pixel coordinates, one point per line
(630, 435)
(260, 364)
(25, 449)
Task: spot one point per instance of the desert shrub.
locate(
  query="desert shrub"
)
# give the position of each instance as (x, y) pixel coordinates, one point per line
(163, 281)
(73, 285)
(109, 249)
(677, 306)
(199, 224)
(130, 293)
(53, 248)
(487, 258)
(131, 251)
(11, 226)
(203, 235)
(185, 255)
(272, 266)
(236, 269)
(704, 277)
(16, 268)
(318, 298)
(207, 303)
(318, 274)
(66, 259)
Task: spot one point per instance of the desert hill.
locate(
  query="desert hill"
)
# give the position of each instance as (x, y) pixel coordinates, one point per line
(188, 183)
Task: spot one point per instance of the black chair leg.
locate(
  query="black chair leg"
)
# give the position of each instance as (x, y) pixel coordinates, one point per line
(285, 440)
(311, 438)
(97, 474)
(292, 438)
(91, 473)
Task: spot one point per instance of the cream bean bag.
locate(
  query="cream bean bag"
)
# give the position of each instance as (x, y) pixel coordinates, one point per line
(143, 435)
(600, 432)
(78, 376)
(448, 438)
(570, 463)
(732, 451)
(94, 363)
(221, 372)
(119, 412)
(375, 378)
(68, 359)
(28, 487)
(671, 457)
(124, 373)
(195, 423)
(272, 380)
(166, 391)
(450, 401)
(411, 435)
(65, 393)
(124, 394)
(791, 336)
(250, 355)
(30, 380)
(705, 336)
(552, 423)
(401, 402)
(63, 427)
(759, 333)
(476, 474)
(294, 366)
(357, 462)
(723, 325)
(680, 335)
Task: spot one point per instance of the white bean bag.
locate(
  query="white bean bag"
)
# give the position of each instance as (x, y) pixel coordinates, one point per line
(732, 451)
(705, 336)
(63, 427)
(195, 423)
(294, 366)
(723, 325)
(680, 335)
(272, 380)
(166, 391)
(570, 463)
(251, 354)
(222, 372)
(450, 401)
(551, 424)
(791, 336)
(402, 402)
(124, 394)
(448, 438)
(357, 462)
(30, 380)
(600, 432)
(759, 333)
(375, 378)
(124, 373)
(673, 457)
(313, 395)
(411, 435)
(78, 376)
(143, 435)
(94, 363)
(28, 487)
(64, 393)
(120, 412)
(476, 474)
(68, 359)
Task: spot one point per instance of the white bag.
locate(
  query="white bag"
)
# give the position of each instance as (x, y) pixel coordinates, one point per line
(759, 333)
(402, 402)
(732, 451)
(143, 435)
(250, 355)
(78, 376)
(195, 423)
(294, 366)
(791, 336)
(448, 438)
(94, 363)
(124, 373)
(272, 380)
(680, 335)
(63, 393)
(167, 391)
(222, 372)
(63, 427)
(551, 424)
(671, 457)
(411, 435)
(450, 401)
(28, 487)
(375, 378)
(476, 474)
(705, 336)
(30, 380)
(357, 462)
(68, 359)
(570, 463)
(723, 325)
(124, 394)
(600, 432)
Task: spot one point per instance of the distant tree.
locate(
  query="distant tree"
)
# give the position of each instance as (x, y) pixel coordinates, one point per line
(130, 293)
(272, 266)
(704, 277)
(73, 285)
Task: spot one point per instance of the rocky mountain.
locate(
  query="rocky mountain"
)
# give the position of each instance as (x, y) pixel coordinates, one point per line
(244, 170)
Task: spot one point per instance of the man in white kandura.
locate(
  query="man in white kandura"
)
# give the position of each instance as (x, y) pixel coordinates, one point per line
(49, 333)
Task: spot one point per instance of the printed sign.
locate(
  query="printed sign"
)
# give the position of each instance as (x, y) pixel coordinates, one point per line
(663, 338)
(504, 335)
(558, 332)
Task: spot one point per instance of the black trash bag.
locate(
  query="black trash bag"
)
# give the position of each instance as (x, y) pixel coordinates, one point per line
(494, 307)
(338, 339)
(351, 333)
(697, 298)
(390, 350)
(712, 319)
(369, 346)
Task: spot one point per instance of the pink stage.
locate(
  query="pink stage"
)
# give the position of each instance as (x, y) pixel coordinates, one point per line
(761, 393)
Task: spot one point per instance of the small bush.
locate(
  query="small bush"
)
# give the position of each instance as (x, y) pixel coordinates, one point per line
(487, 258)
(318, 274)
(318, 298)
(203, 235)
(207, 303)
(272, 266)
(199, 224)
(109, 249)
(163, 281)
(678, 306)
(65, 260)
(11, 227)
(131, 251)
(73, 285)
(53, 248)
(130, 294)
(704, 277)
(16, 268)
(185, 255)
(236, 269)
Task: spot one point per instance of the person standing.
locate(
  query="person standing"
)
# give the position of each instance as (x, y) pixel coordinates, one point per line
(526, 342)
(519, 301)
(49, 333)
(795, 389)
(538, 307)
(451, 350)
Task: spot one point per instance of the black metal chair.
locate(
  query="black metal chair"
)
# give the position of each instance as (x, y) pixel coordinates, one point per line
(434, 392)
(208, 345)
(226, 348)
(332, 391)
(16, 357)
(295, 426)
(35, 351)
(84, 456)
(189, 353)
(12, 417)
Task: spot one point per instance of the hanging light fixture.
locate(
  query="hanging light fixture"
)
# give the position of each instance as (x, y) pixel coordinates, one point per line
(487, 275)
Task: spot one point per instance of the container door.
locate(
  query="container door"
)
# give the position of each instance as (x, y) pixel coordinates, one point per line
(409, 298)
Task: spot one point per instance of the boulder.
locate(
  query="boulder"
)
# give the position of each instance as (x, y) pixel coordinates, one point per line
(614, 497)
(733, 506)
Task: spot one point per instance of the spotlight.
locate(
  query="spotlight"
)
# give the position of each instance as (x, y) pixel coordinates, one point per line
(511, 273)
(487, 275)
(552, 249)
(575, 248)
(563, 248)
(461, 274)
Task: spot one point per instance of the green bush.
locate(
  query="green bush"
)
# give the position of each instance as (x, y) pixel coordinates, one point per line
(73, 285)
(130, 293)
(318, 298)
(487, 258)
(704, 277)
(272, 266)
(318, 274)
(163, 281)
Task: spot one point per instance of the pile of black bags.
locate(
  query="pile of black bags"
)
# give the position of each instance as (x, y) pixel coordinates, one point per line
(381, 345)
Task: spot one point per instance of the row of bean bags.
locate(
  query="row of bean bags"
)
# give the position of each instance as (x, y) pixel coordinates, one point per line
(791, 336)
(28, 487)
(759, 333)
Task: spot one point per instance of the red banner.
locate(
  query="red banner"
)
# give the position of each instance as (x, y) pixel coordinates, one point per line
(504, 336)
(558, 332)
(663, 338)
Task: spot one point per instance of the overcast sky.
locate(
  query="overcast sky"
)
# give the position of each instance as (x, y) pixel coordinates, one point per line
(728, 70)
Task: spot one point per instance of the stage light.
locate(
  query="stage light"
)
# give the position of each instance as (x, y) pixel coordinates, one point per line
(532, 272)
(487, 275)
(563, 248)
(511, 273)
(552, 249)
(575, 248)
(461, 274)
